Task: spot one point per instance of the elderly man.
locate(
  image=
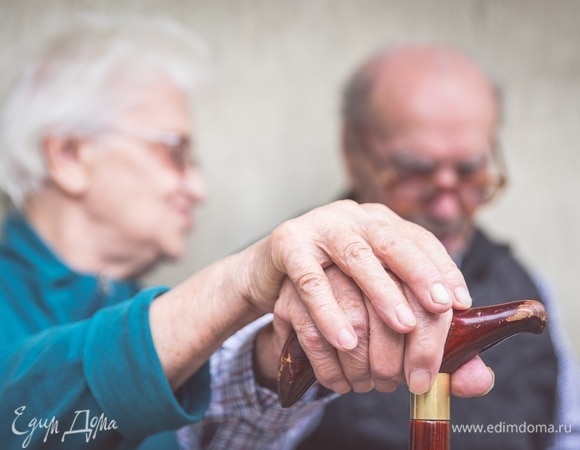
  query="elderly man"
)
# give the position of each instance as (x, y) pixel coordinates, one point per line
(420, 135)
(97, 158)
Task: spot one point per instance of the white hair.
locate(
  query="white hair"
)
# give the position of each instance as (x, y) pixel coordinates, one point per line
(71, 84)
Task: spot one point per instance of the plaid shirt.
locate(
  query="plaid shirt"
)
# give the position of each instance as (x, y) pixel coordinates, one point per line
(242, 415)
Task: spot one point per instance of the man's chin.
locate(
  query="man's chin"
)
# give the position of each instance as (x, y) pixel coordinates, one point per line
(456, 243)
(451, 235)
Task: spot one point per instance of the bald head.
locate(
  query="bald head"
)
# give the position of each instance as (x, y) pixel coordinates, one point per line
(420, 132)
(420, 77)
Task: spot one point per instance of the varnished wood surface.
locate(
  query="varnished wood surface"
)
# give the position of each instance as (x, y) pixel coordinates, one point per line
(471, 332)
(429, 435)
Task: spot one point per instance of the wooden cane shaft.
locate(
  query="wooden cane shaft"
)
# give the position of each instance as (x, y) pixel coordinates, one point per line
(429, 435)
(429, 427)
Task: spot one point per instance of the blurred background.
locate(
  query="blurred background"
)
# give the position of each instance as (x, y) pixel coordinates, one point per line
(268, 127)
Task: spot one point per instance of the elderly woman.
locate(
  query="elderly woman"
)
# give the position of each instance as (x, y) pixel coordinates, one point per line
(96, 156)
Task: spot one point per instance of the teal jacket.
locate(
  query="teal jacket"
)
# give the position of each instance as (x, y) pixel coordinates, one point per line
(78, 368)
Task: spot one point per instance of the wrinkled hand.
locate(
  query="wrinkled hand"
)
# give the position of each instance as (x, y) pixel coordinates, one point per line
(363, 241)
(405, 276)
(407, 280)
(383, 357)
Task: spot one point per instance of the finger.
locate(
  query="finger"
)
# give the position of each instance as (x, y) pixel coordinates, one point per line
(353, 370)
(473, 379)
(291, 314)
(355, 363)
(424, 346)
(356, 258)
(386, 348)
(353, 253)
(452, 275)
(402, 255)
(323, 358)
(303, 263)
(355, 367)
(341, 240)
(418, 259)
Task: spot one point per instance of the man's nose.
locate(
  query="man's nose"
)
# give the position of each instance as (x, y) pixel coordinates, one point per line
(446, 203)
(446, 177)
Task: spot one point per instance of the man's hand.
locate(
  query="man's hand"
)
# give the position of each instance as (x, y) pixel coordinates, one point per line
(383, 357)
(407, 280)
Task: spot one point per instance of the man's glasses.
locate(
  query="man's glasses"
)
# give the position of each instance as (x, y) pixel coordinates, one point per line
(409, 177)
(177, 148)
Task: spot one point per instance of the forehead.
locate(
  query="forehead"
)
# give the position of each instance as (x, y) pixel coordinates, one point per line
(438, 113)
(156, 103)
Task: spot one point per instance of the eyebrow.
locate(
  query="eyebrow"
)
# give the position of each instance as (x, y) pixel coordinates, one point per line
(409, 156)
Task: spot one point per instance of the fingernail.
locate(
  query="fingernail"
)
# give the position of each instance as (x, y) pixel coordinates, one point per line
(346, 339)
(363, 386)
(492, 381)
(405, 316)
(440, 294)
(340, 387)
(462, 294)
(419, 381)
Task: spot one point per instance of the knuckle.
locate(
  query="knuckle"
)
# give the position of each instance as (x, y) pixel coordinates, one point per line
(387, 372)
(426, 354)
(378, 210)
(347, 204)
(310, 283)
(290, 308)
(322, 357)
(387, 366)
(328, 371)
(313, 341)
(359, 322)
(421, 233)
(356, 251)
(360, 376)
(329, 376)
(387, 242)
(354, 254)
(284, 236)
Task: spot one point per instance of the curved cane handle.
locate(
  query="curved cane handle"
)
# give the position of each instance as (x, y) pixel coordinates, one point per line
(472, 331)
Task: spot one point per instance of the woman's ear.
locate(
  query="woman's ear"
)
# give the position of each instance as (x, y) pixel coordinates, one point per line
(68, 163)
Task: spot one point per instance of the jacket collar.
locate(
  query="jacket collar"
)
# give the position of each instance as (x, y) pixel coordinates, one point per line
(22, 243)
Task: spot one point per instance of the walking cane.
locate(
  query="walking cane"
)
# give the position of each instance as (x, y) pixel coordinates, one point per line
(471, 332)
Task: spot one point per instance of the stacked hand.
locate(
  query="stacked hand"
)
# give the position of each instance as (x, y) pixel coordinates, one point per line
(370, 297)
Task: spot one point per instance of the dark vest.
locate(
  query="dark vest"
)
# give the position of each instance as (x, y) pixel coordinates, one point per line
(525, 384)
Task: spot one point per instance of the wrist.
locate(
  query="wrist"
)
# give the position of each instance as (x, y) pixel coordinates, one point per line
(189, 322)
(259, 280)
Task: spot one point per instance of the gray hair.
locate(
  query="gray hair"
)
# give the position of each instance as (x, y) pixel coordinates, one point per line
(69, 85)
(355, 108)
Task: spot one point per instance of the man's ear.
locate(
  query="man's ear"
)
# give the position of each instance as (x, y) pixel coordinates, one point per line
(350, 144)
(359, 170)
(67, 163)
